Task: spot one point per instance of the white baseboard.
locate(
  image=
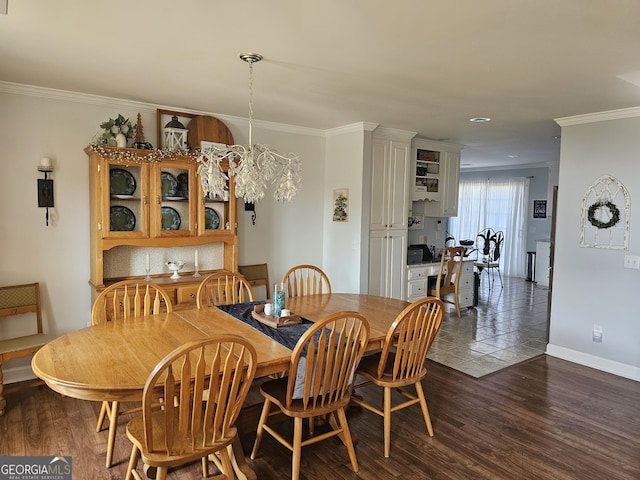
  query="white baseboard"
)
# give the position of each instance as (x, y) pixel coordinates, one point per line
(599, 363)
(17, 374)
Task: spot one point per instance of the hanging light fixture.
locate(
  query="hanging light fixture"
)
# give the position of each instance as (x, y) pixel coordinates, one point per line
(252, 166)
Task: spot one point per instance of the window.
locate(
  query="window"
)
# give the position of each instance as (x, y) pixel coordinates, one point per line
(500, 204)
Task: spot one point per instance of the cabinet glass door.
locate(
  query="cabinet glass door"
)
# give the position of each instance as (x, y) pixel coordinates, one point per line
(216, 215)
(173, 211)
(125, 215)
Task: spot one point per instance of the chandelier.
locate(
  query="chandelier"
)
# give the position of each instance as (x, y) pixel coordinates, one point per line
(252, 166)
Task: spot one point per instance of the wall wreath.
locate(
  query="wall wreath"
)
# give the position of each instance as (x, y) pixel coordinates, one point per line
(599, 209)
(605, 217)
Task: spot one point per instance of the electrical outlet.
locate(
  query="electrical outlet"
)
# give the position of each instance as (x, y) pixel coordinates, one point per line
(597, 334)
(632, 261)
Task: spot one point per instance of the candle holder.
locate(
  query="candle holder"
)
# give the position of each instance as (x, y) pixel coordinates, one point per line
(148, 277)
(196, 263)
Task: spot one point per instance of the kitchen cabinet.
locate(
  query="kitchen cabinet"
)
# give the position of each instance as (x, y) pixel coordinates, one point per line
(418, 281)
(387, 261)
(389, 211)
(143, 200)
(389, 184)
(436, 176)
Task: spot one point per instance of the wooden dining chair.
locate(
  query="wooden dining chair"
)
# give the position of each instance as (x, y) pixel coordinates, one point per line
(400, 363)
(448, 279)
(118, 302)
(306, 280)
(319, 382)
(223, 288)
(210, 379)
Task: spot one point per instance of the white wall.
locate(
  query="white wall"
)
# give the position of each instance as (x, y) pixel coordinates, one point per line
(342, 241)
(39, 122)
(590, 285)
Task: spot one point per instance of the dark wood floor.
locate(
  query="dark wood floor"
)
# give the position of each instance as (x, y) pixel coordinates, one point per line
(543, 419)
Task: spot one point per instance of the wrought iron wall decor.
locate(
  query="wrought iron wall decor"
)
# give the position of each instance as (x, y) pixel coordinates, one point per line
(604, 221)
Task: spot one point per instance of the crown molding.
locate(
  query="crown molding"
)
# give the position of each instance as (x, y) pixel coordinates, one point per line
(351, 128)
(394, 134)
(90, 99)
(598, 117)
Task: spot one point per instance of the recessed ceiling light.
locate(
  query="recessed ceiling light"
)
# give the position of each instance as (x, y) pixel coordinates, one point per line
(480, 119)
(556, 137)
(512, 156)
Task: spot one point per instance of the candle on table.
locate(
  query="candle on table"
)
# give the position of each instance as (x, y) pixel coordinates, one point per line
(196, 262)
(148, 263)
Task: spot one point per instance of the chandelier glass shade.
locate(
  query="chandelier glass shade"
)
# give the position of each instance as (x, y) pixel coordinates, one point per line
(253, 167)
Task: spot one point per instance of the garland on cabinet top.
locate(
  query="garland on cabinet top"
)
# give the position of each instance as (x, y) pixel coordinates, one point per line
(103, 144)
(131, 155)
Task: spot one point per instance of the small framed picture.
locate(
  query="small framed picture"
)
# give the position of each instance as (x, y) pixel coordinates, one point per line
(539, 209)
(341, 205)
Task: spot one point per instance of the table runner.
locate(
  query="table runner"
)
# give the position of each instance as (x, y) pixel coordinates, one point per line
(287, 336)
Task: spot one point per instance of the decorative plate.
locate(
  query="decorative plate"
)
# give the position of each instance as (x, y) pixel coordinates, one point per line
(121, 182)
(169, 184)
(121, 219)
(183, 184)
(211, 219)
(170, 219)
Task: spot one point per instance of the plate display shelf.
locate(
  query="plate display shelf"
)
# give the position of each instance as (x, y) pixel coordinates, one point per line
(149, 199)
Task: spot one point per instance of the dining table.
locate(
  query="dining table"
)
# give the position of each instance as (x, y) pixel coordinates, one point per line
(111, 361)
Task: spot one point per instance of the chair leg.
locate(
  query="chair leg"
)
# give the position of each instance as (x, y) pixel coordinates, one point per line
(297, 448)
(425, 409)
(162, 473)
(227, 467)
(500, 276)
(133, 461)
(348, 441)
(386, 407)
(263, 419)
(205, 467)
(113, 427)
(3, 401)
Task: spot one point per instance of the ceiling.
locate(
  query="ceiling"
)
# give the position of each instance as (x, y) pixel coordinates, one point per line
(425, 66)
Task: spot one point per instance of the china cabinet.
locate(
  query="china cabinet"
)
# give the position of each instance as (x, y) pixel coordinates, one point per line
(143, 200)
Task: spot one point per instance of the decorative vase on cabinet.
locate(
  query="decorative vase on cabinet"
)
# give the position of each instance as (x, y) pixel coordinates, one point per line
(121, 140)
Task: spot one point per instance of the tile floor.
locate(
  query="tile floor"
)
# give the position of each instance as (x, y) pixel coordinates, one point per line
(508, 326)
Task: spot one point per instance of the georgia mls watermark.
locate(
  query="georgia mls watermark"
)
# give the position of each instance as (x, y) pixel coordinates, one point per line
(35, 468)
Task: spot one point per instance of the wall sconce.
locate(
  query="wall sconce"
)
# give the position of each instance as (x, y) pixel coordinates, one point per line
(45, 187)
